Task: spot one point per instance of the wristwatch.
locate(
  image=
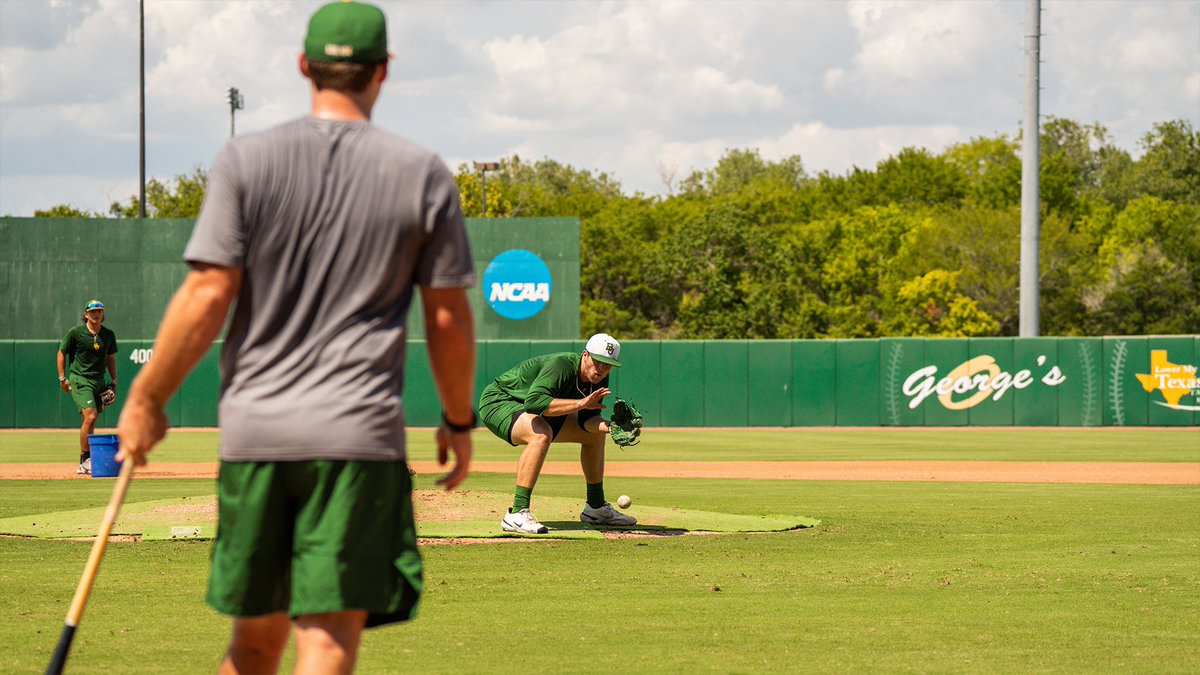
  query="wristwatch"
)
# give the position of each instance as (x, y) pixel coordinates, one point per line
(62, 378)
(459, 428)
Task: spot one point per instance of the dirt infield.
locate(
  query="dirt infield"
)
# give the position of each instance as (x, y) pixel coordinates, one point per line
(1112, 473)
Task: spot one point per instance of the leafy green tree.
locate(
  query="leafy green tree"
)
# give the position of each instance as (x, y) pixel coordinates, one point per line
(1148, 275)
(547, 188)
(605, 316)
(858, 273)
(470, 188)
(64, 211)
(922, 244)
(1076, 160)
(618, 250)
(981, 245)
(991, 168)
(737, 170)
(915, 176)
(1170, 167)
(932, 306)
(181, 200)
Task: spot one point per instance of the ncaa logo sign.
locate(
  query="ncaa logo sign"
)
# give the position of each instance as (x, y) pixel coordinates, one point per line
(517, 284)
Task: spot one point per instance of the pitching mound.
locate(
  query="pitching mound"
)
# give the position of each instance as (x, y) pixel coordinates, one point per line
(440, 515)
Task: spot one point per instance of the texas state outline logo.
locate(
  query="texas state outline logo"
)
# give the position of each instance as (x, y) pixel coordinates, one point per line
(1175, 382)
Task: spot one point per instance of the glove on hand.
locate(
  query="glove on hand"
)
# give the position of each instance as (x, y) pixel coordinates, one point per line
(626, 425)
(108, 395)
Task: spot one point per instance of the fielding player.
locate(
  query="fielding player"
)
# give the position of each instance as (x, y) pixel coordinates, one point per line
(89, 348)
(555, 398)
(319, 228)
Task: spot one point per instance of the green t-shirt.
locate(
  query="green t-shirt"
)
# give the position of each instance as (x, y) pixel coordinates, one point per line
(541, 379)
(88, 353)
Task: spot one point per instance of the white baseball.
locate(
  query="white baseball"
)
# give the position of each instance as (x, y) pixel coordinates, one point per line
(624, 501)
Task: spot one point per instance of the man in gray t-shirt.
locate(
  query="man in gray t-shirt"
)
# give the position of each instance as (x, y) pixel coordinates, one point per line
(319, 228)
(329, 250)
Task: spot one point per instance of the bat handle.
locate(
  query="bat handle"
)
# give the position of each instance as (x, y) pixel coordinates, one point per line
(59, 660)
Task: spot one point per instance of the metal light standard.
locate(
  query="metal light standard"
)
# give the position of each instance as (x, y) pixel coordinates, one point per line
(142, 108)
(236, 102)
(483, 168)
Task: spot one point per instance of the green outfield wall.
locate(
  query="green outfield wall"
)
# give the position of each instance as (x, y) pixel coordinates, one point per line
(1076, 382)
(51, 267)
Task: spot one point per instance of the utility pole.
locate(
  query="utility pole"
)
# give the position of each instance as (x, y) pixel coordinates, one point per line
(1030, 164)
(236, 103)
(483, 168)
(142, 107)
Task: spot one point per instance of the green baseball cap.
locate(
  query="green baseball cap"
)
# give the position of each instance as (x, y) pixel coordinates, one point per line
(354, 32)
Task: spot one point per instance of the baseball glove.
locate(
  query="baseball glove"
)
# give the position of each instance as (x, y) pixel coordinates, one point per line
(626, 425)
(108, 395)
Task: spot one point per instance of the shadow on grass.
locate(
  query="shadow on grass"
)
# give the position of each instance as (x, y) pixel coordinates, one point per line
(649, 530)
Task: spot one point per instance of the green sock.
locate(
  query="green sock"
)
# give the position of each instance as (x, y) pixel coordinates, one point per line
(595, 494)
(521, 497)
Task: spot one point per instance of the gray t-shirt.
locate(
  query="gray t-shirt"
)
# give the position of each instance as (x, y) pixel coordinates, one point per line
(332, 222)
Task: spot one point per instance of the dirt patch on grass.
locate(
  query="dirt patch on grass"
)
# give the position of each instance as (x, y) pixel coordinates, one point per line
(206, 507)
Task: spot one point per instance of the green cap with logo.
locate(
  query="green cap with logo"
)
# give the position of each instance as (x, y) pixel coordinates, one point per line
(353, 32)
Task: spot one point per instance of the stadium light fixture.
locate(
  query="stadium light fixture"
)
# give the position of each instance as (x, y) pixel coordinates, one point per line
(483, 168)
(236, 102)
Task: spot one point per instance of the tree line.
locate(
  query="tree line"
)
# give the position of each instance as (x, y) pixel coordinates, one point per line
(924, 244)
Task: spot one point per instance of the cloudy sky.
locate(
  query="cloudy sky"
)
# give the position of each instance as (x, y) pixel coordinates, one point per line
(645, 91)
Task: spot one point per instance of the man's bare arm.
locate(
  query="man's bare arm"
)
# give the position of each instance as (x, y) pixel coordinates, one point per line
(450, 340)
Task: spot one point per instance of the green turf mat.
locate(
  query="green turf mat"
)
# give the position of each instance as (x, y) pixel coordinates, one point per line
(158, 519)
(465, 515)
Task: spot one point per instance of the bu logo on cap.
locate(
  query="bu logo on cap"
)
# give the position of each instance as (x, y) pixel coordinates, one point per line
(517, 284)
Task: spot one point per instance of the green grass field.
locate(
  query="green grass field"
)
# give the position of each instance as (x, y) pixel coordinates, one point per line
(930, 577)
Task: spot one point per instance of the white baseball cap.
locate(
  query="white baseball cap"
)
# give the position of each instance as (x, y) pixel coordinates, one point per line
(604, 348)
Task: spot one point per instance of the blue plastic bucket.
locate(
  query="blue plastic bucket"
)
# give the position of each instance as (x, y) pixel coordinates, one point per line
(104, 455)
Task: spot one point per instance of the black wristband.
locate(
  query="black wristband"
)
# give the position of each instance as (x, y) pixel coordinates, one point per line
(460, 427)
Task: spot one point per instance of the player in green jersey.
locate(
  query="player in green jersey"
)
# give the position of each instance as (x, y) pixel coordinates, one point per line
(555, 398)
(83, 355)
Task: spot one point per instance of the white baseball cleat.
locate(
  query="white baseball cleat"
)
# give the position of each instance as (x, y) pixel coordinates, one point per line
(522, 522)
(85, 467)
(606, 515)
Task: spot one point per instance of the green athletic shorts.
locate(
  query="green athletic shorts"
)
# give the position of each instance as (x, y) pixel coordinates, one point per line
(499, 413)
(314, 537)
(86, 393)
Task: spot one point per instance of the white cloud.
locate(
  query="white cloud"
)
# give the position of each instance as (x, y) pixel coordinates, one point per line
(643, 61)
(83, 191)
(838, 150)
(635, 89)
(1125, 65)
(930, 56)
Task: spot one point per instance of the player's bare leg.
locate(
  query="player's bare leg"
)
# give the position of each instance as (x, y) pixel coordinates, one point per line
(257, 644)
(89, 415)
(535, 433)
(328, 643)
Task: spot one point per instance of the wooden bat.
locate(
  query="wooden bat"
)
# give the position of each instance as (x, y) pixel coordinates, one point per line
(59, 660)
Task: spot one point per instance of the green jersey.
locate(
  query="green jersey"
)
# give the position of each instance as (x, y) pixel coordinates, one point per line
(541, 379)
(88, 353)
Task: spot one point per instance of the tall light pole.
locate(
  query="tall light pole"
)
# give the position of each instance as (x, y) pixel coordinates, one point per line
(483, 168)
(142, 107)
(1030, 163)
(236, 103)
